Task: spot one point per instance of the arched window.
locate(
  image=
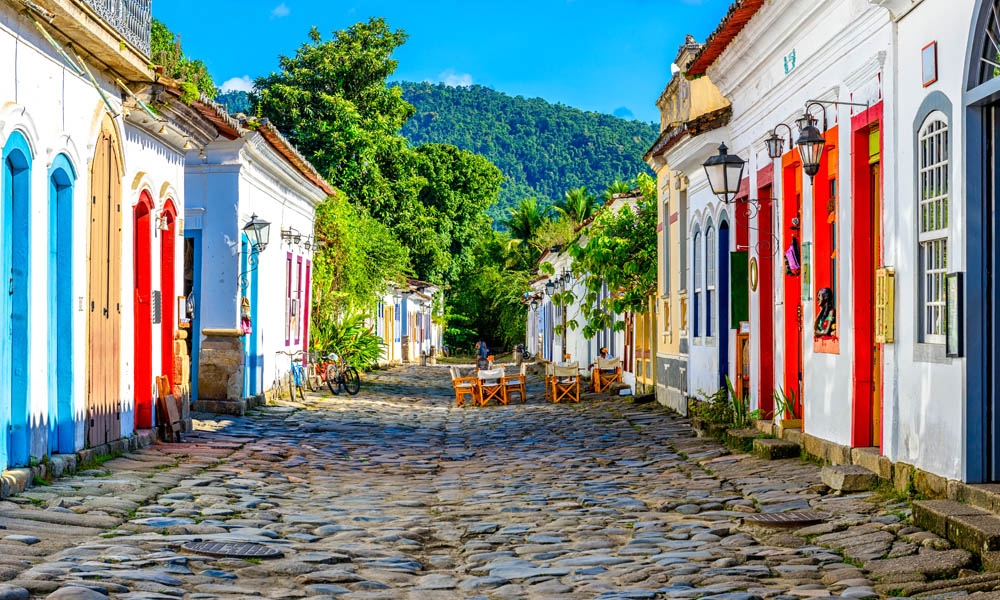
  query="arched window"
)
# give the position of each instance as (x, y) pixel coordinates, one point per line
(932, 225)
(710, 317)
(696, 271)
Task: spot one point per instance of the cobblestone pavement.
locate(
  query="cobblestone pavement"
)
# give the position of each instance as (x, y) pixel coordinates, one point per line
(396, 493)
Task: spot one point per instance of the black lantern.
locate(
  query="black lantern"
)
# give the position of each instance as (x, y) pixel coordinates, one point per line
(534, 304)
(811, 143)
(550, 287)
(258, 232)
(724, 171)
(775, 145)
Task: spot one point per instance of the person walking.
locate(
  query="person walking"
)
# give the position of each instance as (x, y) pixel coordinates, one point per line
(482, 352)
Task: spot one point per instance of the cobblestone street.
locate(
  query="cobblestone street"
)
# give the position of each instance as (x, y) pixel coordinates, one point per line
(396, 493)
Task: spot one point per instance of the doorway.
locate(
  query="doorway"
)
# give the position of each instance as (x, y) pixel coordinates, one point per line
(767, 248)
(790, 257)
(104, 290)
(866, 237)
(15, 217)
(192, 298)
(143, 312)
(723, 300)
(62, 430)
(168, 244)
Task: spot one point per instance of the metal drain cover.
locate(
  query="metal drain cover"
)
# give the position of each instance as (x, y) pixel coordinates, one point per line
(797, 518)
(233, 549)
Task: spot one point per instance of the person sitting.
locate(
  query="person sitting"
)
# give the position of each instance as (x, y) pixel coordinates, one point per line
(604, 371)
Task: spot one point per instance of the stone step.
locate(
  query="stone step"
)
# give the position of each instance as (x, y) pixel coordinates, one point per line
(848, 478)
(771, 449)
(968, 527)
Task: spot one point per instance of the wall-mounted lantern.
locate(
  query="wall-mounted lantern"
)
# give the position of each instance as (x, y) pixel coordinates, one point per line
(258, 233)
(724, 171)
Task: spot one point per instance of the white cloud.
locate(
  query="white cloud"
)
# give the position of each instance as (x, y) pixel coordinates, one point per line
(280, 11)
(237, 84)
(452, 79)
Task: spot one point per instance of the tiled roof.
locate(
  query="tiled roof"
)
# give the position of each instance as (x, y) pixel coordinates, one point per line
(231, 128)
(740, 13)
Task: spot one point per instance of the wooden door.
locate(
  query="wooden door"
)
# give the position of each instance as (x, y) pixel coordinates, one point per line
(104, 291)
(876, 225)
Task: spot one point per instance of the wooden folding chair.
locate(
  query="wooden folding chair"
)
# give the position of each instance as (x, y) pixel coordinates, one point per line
(566, 383)
(548, 381)
(168, 412)
(490, 386)
(606, 371)
(464, 386)
(517, 384)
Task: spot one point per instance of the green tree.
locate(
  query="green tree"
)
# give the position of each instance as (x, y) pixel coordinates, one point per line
(523, 223)
(332, 101)
(620, 252)
(577, 205)
(460, 186)
(165, 51)
(617, 187)
(353, 266)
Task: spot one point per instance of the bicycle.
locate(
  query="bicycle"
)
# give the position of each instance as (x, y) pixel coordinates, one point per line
(316, 370)
(298, 377)
(339, 374)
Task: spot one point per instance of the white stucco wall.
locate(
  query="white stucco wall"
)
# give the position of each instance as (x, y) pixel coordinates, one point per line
(237, 179)
(60, 112)
(926, 431)
(841, 53)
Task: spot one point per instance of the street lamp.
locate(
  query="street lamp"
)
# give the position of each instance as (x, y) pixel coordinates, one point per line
(534, 304)
(776, 144)
(550, 287)
(811, 143)
(258, 232)
(724, 171)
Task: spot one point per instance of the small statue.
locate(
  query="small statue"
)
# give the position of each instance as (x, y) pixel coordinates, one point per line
(826, 319)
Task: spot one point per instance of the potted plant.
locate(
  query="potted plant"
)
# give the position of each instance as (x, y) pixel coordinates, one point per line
(785, 408)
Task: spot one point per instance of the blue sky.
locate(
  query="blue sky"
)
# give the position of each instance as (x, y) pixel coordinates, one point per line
(582, 53)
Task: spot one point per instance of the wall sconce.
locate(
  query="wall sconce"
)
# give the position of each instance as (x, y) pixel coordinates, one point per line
(163, 129)
(202, 155)
(550, 287)
(725, 172)
(163, 223)
(811, 141)
(776, 144)
(291, 235)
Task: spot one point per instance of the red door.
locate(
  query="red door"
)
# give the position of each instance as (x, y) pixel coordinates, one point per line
(767, 249)
(143, 315)
(167, 291)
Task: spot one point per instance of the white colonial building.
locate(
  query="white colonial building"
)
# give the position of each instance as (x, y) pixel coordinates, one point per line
(90, 194)
(250, 312)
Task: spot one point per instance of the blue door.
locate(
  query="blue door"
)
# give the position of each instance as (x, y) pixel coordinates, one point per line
(62, 430)
(14, 379)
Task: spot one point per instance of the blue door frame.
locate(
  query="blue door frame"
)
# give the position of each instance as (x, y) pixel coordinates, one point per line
(253, 373)
(195, 236)
(62, 428)
(16, 216)
(723, 286)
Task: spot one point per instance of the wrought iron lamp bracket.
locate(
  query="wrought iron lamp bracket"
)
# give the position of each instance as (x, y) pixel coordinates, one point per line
(824, 103)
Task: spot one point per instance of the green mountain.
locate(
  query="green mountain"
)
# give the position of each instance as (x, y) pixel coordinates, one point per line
(543, 149)
(236, 101)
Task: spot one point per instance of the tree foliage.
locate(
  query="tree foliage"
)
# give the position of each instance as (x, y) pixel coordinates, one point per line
(618, 254)
(543, 149)
(358, 258)
(165, 51)
(332, 101)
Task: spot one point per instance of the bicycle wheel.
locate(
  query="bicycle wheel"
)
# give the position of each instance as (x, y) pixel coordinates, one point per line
(312, 379)
(291, 385)
(331, 379)
(352, 382)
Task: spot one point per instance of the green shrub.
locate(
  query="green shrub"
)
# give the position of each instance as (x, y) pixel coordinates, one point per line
(350, 338)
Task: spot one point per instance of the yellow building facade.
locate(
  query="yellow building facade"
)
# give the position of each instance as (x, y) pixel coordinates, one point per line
(683, 104)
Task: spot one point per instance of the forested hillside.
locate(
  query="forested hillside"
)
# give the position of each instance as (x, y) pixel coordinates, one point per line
(543, 149)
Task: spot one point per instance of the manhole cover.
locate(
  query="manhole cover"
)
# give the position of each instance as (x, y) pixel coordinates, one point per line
(234, 549)
(799, 518)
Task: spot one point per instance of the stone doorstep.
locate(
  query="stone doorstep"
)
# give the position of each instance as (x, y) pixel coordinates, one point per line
(848, 478)
(982, 495)
(872, 459)
(933, 515)
(771, 449)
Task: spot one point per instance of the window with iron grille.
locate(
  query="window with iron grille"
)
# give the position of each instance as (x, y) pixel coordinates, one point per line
(932, 218)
